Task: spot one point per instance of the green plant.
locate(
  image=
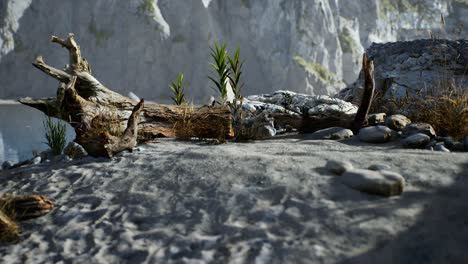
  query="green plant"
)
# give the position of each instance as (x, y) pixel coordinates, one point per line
(235, 73)
(221, 69)
(55, 134)
(179, 90)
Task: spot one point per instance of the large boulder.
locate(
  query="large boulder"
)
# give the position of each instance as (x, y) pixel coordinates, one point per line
(397, 122)
(416, 128)
(333, 133)
(416, 141)
(412, 67)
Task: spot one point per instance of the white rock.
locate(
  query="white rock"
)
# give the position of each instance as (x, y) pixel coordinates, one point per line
(376, 119)
(385, 183)
(36, 160)
(441, 147)
(338, 167)
(397, 122)
(375, 134)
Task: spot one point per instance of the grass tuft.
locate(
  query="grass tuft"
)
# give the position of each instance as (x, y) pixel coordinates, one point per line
(221, 68)
(55, 134)
(178, 90)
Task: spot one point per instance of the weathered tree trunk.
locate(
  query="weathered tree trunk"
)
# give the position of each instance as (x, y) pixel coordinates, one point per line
(99, 114)
(369, 88)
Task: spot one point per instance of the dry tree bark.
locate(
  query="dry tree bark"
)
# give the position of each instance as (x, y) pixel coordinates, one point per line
(369, 88)
(99, 114)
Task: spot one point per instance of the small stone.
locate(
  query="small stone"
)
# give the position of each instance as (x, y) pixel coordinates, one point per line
(7, 164)
(338, 167)
(75, 151)
(335, 133)
(415, 128)
(36, 160)
(441, 147)
(416, 141)
(397, 122)
(465, 143)
(385, 183)
(379, 167)
(375, 134)
(376, 119)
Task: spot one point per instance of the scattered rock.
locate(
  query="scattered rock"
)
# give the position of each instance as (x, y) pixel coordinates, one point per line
(75, 151)
(336, 133)
(385, 183)
(376, 119)
(416, 141)
(397, 122)
(415, 128)
(375, 134)
(36, 160)
(441, 147)
(458, 146)
(338, 167)
(7, 164)
(379, 167)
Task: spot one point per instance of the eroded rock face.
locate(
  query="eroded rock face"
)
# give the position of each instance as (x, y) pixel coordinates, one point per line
(309, 46)
(411, 68)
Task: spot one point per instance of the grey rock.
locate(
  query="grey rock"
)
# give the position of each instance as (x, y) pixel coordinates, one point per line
(441, 147)
(75, 151)
(415, 128)
(397, 122)
(402, 68)
(7, 164)
(375, 134)
(384, 183)
(335, 133)
(458, 146)
(416, 141)
(376, 119)
(431, 144)
(338, 167)
(379, 167)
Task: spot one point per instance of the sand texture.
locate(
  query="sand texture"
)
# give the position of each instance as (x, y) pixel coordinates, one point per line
(263, 202)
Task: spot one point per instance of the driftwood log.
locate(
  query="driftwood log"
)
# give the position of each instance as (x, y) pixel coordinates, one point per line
(24, 207)
(99, 115)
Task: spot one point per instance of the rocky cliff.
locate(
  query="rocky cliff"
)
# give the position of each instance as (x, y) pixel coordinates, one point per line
(306, 46)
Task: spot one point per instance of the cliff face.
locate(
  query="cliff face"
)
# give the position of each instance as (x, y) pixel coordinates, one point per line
(307, 46)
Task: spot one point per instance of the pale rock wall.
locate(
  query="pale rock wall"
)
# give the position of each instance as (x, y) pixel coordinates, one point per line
(306, 46)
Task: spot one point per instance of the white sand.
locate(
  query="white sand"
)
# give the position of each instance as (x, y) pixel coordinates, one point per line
(263, 202)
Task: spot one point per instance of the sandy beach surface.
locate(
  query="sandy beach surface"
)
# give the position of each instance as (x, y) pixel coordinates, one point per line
(263, 202)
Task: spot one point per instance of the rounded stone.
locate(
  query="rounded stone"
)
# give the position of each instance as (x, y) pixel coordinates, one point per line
(338, 167)
(441, 147)
(415, 128)
(335, 133)
(376, 119)
(379, 167)
(385, 183)
(416, 141)
(375, 134)
(397, 122)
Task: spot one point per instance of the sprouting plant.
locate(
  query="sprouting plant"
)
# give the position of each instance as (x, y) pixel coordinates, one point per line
(235, 73)
(179, 90)
(55, 134)
(221, 69)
